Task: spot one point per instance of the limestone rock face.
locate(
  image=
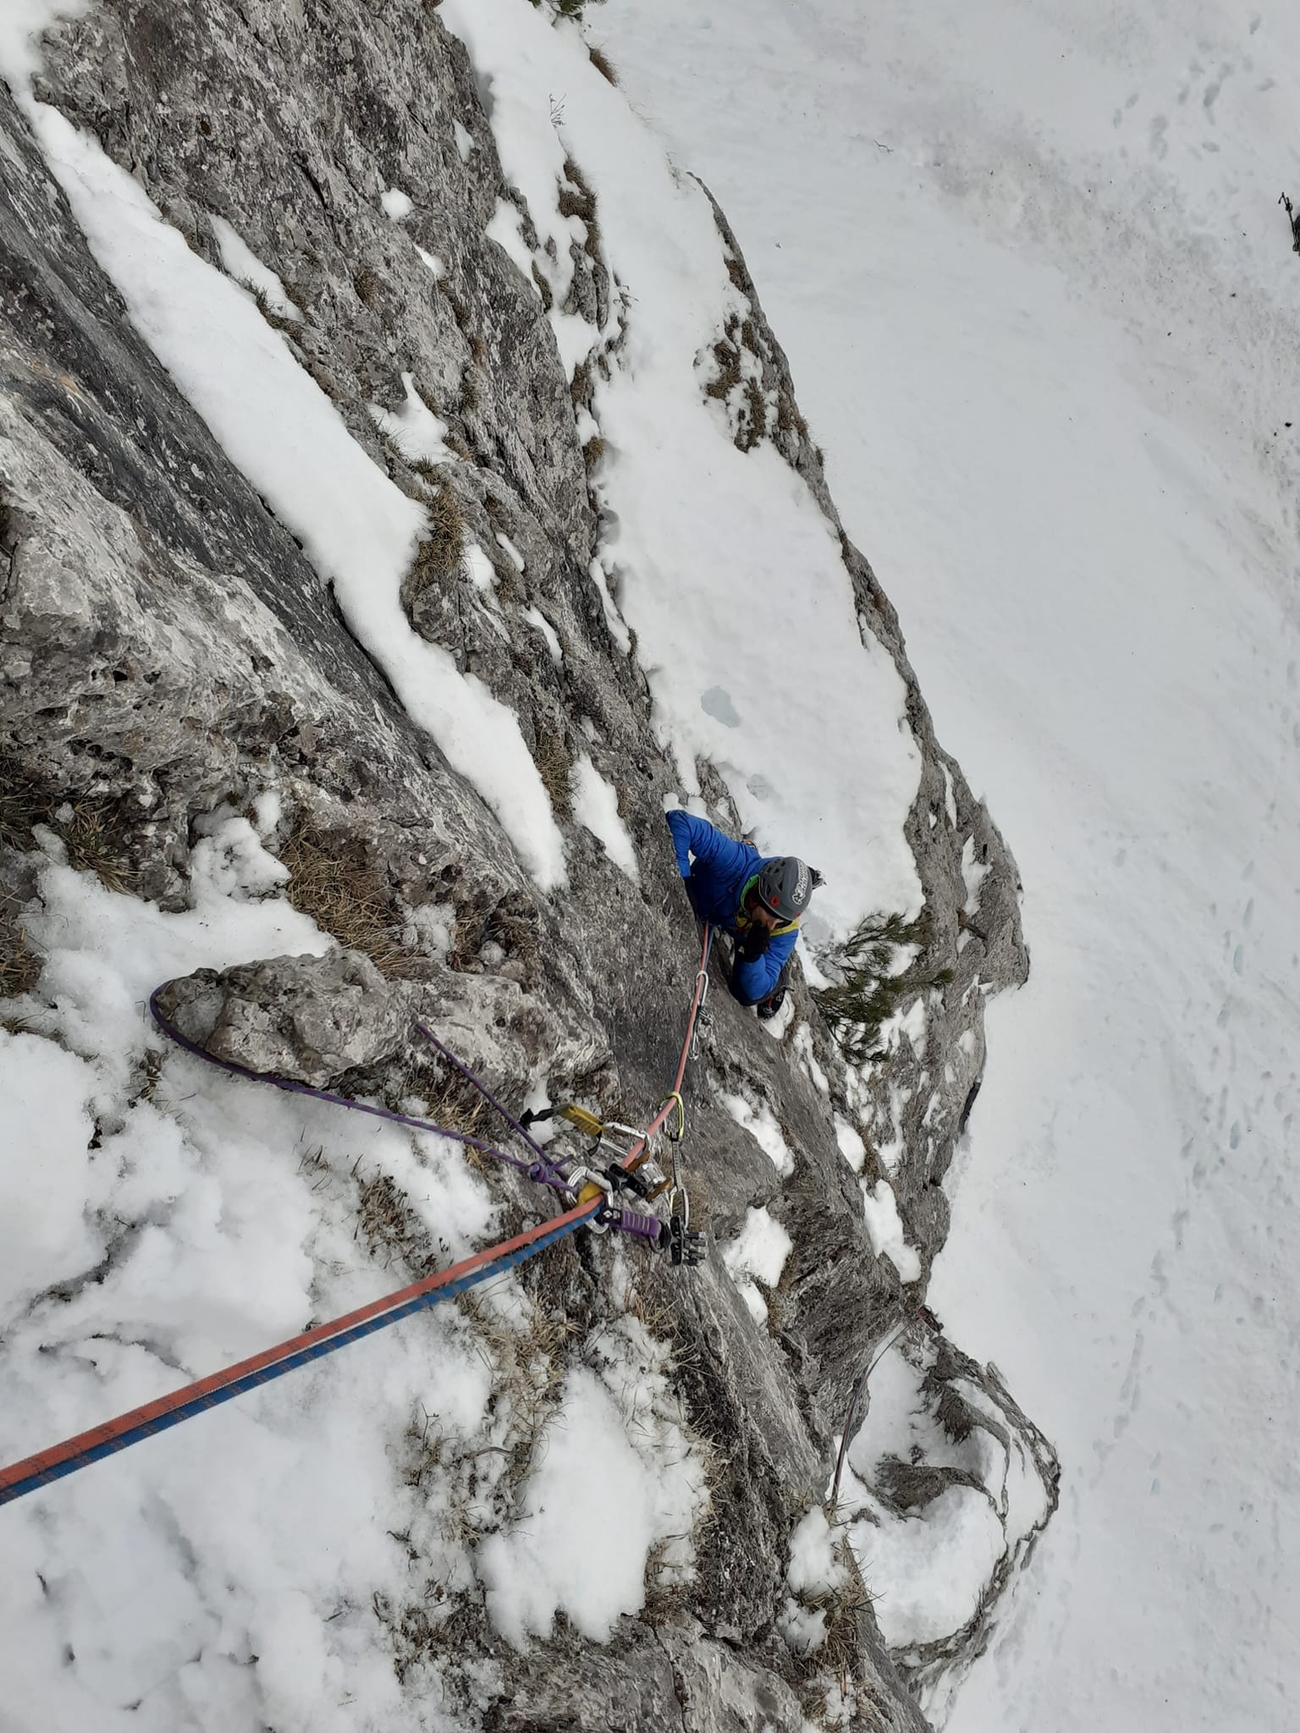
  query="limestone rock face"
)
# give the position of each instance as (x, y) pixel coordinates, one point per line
(167, 650)
(305, 1018)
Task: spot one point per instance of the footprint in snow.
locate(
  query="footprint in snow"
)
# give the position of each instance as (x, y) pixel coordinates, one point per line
(716, 702)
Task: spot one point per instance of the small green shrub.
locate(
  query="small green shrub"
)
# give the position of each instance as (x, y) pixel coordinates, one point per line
(864, 993)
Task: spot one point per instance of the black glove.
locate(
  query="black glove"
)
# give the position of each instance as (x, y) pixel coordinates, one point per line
(753, 945)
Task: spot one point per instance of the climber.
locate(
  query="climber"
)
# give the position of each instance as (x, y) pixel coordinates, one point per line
(758, 900)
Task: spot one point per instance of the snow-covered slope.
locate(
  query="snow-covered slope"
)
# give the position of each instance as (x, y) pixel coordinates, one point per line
(402, 498)
(1044, 315)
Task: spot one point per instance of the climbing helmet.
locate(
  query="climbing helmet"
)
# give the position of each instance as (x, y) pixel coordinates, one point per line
(784, 886)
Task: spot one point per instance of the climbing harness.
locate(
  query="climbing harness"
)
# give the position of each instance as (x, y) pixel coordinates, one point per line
(599, 1210)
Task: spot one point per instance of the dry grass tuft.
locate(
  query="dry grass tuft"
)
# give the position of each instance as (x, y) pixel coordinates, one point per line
(841, 1649)
(601, 61)
(578, 200)
(754, 426)
(22, 805)
(556, 770)
(20, 967)
(390, 1227)
(449, 1100)
(788, 417)
(581, 386)
(593, 451)
(94, 831)
(333, 880)
(97, 842)
(471, 393)
(511, 923)
(437, 559)
(272, 316)
(727, 356)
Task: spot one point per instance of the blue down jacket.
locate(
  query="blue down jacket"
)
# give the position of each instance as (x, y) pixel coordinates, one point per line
(714, 881)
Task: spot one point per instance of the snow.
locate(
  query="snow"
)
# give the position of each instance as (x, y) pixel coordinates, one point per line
(614, 1452)
(757, 1253)
(850, 1144)
(927, 1570)
(760, 1122)
(934, 1567)
(885, 1230)
(230, 1578)
(504, 229)
(813, 1567)
(973, 874)
(538, 620)
(21, 23)
(482, 573)
(613, 619)
(414, 429)
(511, 551)
(432, 262)
(1043, 315)
(802, 1044)
(706, 540)
(228, 860)
(169, 1568)
(358, 529)
(397, 204)
(243, 264)
(813, 1571)
(45, 1170)
(595, 805)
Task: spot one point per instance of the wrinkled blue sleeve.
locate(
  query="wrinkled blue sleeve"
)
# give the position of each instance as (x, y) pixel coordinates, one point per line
(753, 981)
(695, 836)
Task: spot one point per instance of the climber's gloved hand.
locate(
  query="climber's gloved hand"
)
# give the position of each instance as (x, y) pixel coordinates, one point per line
(753, 945)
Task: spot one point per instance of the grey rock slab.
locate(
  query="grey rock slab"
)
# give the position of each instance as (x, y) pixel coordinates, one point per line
(305, 1018)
